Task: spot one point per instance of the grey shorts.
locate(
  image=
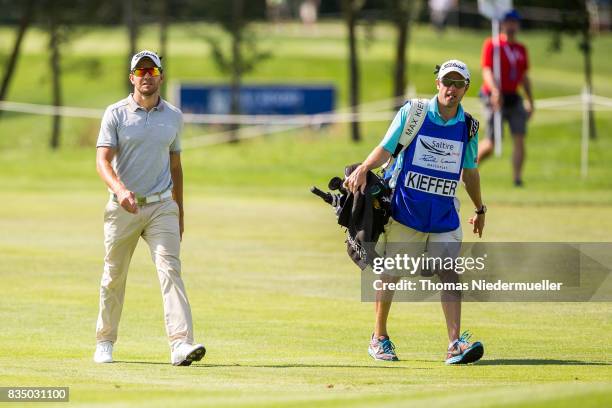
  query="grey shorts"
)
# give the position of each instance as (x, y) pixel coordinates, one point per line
(515, 114)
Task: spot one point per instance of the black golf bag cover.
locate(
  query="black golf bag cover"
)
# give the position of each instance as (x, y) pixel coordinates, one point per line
(365, 216)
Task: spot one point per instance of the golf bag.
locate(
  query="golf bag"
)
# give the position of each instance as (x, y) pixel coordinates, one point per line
(363, 215)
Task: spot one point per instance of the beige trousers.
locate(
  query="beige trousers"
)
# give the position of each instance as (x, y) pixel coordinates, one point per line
(158, 224)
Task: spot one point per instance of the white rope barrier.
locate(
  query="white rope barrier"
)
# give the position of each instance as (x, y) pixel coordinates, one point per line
(250, 132)
(339, 116)
(258, 125)
(36, 109)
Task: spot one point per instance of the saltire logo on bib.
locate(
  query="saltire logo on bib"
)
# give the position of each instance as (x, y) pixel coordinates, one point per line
(438, 154)
(430, 184)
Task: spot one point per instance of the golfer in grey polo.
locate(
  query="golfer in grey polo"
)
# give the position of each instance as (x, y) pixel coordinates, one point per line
(138, 157)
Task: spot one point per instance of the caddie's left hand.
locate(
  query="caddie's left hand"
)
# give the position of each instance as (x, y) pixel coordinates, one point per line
(478, 221)
(357, 181)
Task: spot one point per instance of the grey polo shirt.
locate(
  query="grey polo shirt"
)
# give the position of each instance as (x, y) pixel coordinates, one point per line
(143, 142)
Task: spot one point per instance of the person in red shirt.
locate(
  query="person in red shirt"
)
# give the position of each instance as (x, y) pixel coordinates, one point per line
(505, 98)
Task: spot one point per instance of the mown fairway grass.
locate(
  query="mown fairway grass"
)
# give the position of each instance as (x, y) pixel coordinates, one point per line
(275, 299)
(277, 304)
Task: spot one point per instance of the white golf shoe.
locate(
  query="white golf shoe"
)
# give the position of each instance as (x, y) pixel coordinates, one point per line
(184, 354)
(104, 352)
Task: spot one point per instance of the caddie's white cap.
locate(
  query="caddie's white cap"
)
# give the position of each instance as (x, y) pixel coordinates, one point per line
(454, 66)
(145, 54)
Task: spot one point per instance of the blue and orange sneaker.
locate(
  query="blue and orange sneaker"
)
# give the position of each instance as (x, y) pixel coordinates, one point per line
(464, 352)
(382, 349)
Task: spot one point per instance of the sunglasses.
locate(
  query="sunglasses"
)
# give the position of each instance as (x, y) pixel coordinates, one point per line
(459, 83)
(140, 72)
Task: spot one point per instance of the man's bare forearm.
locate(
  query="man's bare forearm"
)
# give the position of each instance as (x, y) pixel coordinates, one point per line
(126, 198)
(176, 172)
(376, 158)
(106, 171)
(471, 179)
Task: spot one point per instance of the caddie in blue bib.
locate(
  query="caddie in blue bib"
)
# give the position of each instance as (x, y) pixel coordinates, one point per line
(434, 144)
(428, 170)
(426, 187)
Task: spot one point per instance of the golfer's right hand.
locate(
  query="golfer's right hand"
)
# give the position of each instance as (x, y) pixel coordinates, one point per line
(127, 200)
(357, 180)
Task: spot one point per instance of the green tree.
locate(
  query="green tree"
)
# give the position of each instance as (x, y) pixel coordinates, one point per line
(27, 13)
(59, 18)
(350, 11)
(234, 17)
(162, 13)
(401, 13)
(131, 10)
(575, 20)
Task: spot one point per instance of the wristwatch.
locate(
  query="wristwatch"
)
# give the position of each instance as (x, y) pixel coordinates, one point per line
(481, 210)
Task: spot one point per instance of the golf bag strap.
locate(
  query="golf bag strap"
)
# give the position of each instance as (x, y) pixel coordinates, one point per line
(414, 121)
(472, 125)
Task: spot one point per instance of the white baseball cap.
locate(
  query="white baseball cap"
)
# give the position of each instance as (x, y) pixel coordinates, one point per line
(454, 66)
(145, 54)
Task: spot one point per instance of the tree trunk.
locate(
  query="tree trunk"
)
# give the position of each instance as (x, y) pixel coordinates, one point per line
(55, 77)
(350, 15)
(163, 40)
(399, 74)
(237, 10)
(129, 13)
(402, 14)
(24, 23)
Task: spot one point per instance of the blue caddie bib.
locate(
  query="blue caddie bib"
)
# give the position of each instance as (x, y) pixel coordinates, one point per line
(424, 196)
